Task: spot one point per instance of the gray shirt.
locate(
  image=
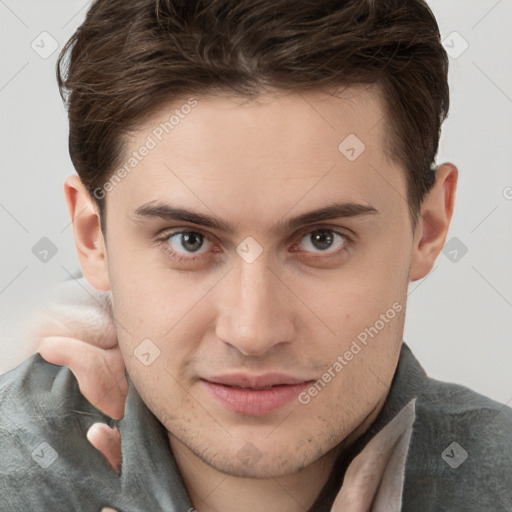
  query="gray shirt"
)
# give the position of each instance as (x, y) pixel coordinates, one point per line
(459, 455)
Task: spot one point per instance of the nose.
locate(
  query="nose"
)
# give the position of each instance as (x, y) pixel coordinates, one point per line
(256, 313)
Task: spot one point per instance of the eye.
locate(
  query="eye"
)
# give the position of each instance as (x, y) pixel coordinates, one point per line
(324, 240)
(186, 245)
(193, 246)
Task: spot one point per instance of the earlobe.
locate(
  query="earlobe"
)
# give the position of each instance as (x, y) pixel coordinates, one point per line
(434, 221)
(89, 241)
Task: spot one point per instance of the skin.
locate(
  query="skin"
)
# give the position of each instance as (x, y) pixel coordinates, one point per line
(293, 310)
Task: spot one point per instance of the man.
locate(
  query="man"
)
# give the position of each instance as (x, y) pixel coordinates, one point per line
(255, 191)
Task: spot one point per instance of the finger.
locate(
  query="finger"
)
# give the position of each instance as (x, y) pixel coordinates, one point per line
(100, 373)
(108, 442)
(75, 309)
(77, 321)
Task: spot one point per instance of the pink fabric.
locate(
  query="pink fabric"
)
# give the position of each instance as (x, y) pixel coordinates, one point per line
(374, 479)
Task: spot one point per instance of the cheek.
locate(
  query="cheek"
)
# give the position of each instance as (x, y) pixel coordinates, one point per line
(159, 316)
(143, 293)
(355, 296)
(362, 308)
(380, 277)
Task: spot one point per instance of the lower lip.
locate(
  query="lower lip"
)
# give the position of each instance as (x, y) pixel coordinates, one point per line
(255, 402)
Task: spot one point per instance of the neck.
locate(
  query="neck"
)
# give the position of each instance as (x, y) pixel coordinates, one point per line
(211, 490)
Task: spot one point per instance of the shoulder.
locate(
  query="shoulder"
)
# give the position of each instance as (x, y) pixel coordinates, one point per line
(39, 394)
(34, 375)
(463, 409)
(43, 424)
(460, 455)
(464, 412)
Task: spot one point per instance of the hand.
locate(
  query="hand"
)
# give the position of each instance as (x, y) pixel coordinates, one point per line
(100, 372)
(76, 330)
(108, 441)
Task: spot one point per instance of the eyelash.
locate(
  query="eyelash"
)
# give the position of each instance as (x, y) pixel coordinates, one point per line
(171, 253)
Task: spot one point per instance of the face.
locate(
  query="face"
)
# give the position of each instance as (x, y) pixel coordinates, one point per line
(260, 333)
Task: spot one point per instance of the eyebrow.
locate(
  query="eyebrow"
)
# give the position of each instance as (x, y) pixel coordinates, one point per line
(157, 210)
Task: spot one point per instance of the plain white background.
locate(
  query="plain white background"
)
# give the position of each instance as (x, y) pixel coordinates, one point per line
(459, 317)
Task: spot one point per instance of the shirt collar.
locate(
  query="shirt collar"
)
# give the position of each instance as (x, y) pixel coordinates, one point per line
(408, 381)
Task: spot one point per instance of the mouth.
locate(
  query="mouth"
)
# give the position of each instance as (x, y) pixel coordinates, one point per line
(254, 395)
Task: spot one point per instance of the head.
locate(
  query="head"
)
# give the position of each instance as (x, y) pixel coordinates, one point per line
(257, 187)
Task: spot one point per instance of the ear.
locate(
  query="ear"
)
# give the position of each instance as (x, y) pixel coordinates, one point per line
(434, 221)
(89, 241)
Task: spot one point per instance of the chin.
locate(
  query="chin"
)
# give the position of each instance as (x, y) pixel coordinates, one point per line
(265, 467)
(275, 459)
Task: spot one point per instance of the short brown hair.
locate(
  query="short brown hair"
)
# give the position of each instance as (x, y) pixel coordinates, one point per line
(130, 56)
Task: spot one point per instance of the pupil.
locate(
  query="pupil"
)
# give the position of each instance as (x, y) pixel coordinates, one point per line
(324, 238)
(188, 237)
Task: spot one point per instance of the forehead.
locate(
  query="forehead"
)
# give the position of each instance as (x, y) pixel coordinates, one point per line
(263, 155)
(279, 123)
